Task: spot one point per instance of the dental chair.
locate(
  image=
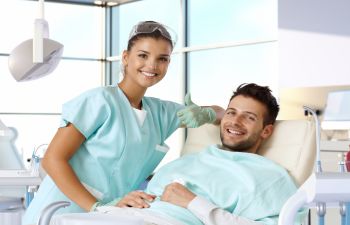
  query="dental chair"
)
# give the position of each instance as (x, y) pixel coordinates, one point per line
(292, 145)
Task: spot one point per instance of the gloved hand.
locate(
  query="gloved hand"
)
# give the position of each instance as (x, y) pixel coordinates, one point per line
(194, 116)
(98, 204)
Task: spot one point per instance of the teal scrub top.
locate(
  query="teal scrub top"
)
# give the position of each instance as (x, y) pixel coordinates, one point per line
(245, 184)
(118, 153)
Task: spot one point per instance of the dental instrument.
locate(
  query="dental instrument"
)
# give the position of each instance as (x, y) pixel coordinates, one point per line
(13, 174)
(321, 188)
(342, 205)
(318, 165)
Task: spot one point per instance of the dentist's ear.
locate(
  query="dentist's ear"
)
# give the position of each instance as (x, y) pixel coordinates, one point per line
(125, 55)
(267, 131)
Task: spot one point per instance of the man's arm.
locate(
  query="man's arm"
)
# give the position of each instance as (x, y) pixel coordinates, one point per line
(206, 211)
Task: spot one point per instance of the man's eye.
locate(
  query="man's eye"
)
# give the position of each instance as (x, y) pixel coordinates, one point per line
(252, 118)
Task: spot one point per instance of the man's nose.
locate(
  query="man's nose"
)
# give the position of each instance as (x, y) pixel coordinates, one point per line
(237, 119)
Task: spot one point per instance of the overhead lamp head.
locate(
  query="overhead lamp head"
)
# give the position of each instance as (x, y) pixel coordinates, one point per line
(21, 63)
(37, 57)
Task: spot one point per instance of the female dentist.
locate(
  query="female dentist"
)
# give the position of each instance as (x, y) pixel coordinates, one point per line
(111, 138)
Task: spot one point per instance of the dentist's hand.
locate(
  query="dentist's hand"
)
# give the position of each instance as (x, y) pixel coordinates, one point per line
(177, 194)
(136, 199)
(99, 204)
(194, 116)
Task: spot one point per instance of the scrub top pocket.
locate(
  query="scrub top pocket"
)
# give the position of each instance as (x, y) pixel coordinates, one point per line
(154, 159)
(162, 148)
(158, 155)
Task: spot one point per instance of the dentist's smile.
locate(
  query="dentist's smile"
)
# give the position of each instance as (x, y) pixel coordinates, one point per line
(147, 74)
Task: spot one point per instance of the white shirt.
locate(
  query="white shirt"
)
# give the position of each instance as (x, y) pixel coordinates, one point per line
(211, 214)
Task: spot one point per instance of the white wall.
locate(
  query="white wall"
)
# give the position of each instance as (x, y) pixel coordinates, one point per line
(314, 43)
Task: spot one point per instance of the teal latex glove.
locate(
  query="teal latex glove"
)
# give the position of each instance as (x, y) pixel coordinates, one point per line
(98, 204)
(195, 116)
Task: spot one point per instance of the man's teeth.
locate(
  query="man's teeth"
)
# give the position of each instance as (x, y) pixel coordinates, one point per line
(234, 132)
(148, 74)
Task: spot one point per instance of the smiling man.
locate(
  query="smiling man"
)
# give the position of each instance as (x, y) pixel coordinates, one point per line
(228, 184)
(249, 118)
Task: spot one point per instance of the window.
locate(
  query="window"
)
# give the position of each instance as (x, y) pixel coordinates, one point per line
(238, 45)
(34, 107)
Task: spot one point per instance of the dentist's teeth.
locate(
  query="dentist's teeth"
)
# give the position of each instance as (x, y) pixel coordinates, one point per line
(148, 74)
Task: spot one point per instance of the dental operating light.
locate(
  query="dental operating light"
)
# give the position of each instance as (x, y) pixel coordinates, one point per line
(37, 57)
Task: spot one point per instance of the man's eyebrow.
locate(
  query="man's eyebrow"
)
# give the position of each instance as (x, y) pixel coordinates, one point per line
(246, 112)
(251, 113)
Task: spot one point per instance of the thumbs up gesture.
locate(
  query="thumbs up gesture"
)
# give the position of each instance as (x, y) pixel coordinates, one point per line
(195, 116)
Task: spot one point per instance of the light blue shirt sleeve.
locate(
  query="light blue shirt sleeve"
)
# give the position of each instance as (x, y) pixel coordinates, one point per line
(164, 115)
(87, 112)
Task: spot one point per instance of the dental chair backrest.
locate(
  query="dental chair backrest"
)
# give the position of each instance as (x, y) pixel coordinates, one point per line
(292, 145)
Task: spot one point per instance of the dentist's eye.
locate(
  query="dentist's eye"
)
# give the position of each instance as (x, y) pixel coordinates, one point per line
(143, 56)
(164, 59)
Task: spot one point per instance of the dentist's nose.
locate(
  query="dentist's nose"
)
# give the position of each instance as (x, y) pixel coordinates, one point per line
(152, 64)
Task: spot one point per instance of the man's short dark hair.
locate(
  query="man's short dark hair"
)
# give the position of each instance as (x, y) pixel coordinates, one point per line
(263, 95)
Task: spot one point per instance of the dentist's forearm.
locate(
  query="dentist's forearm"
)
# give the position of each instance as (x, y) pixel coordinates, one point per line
(66, 180)
(63, 146)
(219, 113)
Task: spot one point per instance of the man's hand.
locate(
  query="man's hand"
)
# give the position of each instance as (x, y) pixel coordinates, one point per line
(137, 199)
(177, 194)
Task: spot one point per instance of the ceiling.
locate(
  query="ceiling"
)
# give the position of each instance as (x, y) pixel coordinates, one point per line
(91, 2)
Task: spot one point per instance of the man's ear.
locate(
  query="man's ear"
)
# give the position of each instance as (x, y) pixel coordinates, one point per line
(267, 131)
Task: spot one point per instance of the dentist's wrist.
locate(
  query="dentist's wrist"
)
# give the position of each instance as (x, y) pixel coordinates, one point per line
(98, 204)
(211, 114)
(95, 205)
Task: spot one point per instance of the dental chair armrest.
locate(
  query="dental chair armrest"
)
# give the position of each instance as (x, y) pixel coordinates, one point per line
(290, 208)
(49, 210)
